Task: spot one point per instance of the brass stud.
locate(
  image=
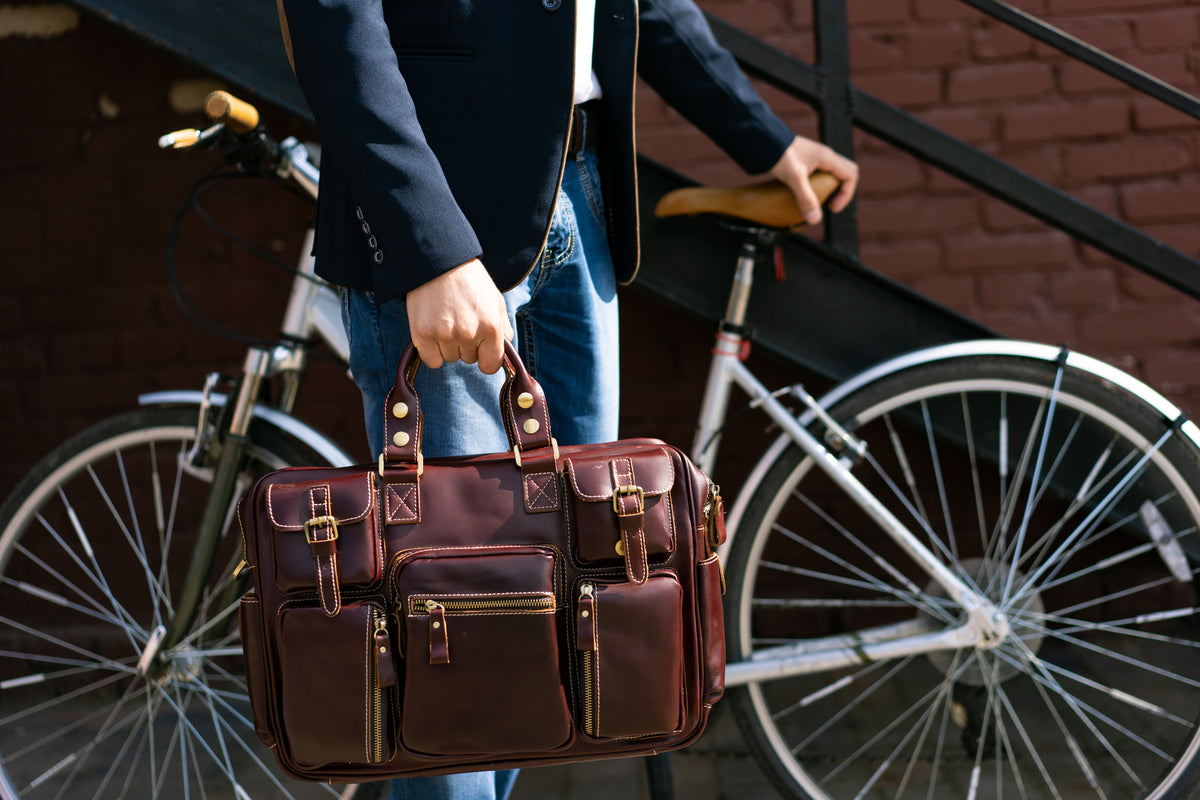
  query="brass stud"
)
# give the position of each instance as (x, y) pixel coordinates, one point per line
(400, 439)
(525, 400)
(585, 614)
(620, 548)
(531, 426)
(383, 650)
(400, 410)
(437, 625)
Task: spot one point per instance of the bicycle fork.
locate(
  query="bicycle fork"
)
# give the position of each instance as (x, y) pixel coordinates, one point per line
(985, 625)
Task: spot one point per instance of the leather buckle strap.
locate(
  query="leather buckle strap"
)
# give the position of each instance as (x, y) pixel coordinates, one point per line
(625, 491)
(584, 127)
(318, 523)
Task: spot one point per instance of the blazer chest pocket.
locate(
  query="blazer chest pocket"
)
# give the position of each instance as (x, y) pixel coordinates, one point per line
(430, 29)
(325, 537)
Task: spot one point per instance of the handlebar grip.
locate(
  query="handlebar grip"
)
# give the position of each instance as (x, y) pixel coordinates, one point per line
(236, 114)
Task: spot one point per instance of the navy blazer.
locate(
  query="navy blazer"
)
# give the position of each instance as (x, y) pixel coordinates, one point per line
(445, 123)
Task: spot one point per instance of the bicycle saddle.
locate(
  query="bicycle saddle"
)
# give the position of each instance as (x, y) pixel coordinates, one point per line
(770, 204)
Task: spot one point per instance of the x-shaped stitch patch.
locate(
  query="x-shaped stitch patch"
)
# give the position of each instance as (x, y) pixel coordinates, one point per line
(403, 504)
(541, 492)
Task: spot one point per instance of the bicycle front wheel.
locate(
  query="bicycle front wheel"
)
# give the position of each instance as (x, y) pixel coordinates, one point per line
(1068, 502)
(95, 544)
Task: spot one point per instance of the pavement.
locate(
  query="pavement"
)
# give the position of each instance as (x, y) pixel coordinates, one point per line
(718, 766)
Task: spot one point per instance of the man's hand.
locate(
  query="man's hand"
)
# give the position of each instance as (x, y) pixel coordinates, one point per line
(459, 316)
(801, 159)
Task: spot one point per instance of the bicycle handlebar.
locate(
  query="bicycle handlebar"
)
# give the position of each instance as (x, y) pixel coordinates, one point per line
(238, 115)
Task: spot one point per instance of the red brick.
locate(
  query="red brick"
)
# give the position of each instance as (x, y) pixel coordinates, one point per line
(1042, 161)
(1006, 252)
(1138, 285)
(1173, 367)
(1159, 201)
(1049, 122)
(1154, 115)
(873, 51)
(1149, 324)
(999, 82)
(889, 174)
(1127, 159)
(941, 10)
(1094, 288)
(1175, 29)
(902, 258)
(753, 16)
(995, 40)
(1076, 6)
(876, 12)
(1031, 325)
(905, 89)
(1007, 288)
(971, 125)
(941, 46)
(908, 216)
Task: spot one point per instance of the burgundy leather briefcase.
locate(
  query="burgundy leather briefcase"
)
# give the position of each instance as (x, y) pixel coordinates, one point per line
(536, 606)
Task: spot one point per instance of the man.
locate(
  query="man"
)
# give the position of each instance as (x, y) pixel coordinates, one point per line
(478, 183)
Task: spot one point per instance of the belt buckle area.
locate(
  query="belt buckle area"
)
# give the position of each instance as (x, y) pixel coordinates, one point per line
(623, 491)
(320, 522)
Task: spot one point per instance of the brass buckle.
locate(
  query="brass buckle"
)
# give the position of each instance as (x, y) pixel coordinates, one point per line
(517, 451)
(320, 522)
(622, 491)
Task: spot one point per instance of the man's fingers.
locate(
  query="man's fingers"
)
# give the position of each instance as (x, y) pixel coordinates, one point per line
(491, 355)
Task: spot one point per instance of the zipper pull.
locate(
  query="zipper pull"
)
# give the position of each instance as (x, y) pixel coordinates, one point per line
(385, 664)
(439, 638)
(238, 569)
(585, 618)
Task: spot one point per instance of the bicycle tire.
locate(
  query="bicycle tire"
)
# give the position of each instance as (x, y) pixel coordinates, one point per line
(96, 539)
(1096, 692)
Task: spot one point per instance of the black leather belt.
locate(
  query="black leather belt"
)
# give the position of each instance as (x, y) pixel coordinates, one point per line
(585, 128)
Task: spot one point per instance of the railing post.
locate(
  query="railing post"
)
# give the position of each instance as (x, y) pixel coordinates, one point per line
(835, 106)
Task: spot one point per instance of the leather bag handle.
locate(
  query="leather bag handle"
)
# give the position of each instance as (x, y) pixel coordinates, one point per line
(522, 409)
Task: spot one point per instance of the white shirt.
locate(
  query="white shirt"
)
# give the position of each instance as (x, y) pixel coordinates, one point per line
(587, 86)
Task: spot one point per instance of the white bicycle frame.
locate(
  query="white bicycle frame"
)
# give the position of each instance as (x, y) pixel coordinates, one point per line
(984, 625)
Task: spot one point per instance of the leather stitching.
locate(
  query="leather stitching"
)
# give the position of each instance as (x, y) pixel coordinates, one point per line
(541, 491)
(402, 508)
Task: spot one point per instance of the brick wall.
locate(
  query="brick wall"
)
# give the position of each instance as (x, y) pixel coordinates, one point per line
(87, 321)
(1059, 120)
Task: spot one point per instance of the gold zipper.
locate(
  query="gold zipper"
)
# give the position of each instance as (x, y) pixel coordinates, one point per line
(379, 623)
(533, 602)
(586, 642)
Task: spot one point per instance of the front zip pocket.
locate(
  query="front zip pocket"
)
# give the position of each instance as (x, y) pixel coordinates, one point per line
(481, 652)
(630, 643)
(335, 680)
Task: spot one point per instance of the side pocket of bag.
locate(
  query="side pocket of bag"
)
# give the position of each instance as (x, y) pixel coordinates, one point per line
(630, 642)
(710, 590)
(250, 627)
(335, 684)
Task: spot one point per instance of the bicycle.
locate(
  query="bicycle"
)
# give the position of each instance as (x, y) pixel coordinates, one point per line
(949, 575)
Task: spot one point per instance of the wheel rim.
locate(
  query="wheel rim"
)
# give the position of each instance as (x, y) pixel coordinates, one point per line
(88, 572)
(886, 729)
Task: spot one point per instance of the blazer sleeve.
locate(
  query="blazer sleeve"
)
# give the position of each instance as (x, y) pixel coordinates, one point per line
(347, 69)
(680, 59)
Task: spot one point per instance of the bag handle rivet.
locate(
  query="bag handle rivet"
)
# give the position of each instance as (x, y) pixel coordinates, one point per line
(400, 439)
(531, 426)
(400, 410)
(525, 400)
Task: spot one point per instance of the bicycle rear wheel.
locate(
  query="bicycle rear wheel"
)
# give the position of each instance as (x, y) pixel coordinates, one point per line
(1071, 504)
(95, 544)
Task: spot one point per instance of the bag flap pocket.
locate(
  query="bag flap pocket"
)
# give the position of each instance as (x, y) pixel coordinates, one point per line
(326, 536)
(621, 504)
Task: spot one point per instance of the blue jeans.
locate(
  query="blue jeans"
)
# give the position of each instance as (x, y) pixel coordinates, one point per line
(564, 315)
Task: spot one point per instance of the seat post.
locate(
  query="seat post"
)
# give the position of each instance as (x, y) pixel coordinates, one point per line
(743, 277)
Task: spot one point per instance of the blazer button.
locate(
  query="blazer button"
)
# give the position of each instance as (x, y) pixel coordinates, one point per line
(378, 256)
(371, 243)
(366, 228)
(551, 5)
(358, 212)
